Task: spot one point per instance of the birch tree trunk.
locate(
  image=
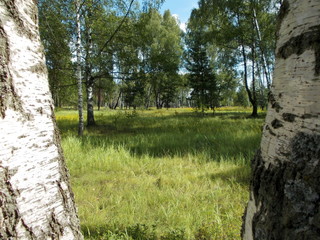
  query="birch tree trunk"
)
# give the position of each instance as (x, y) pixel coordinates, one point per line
(35, 196)
(78, 73)
(88, 71)
(285, 191)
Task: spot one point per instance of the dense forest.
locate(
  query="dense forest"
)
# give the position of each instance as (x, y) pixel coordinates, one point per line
(127, 54)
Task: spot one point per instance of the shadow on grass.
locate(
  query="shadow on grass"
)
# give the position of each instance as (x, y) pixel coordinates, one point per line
(137, 232)
(225, 135)
(204, 146)
(240, 175)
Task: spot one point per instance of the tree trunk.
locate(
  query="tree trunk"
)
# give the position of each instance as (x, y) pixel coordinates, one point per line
(264, 61)
(99, 98)
(251, 94)
(90, 103)
(88, 72)
(254, 92)
(114, 107)
(246, 84)
(36, 200)
(78, 72)
(148, 98)
(285, 191)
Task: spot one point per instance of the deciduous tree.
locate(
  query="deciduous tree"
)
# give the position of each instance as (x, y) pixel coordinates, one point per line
(285, 193)
(36, 199)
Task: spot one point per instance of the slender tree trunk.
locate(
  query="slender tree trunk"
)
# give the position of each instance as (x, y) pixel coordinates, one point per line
(254, 92)
(117, 102)
(36, 199)
(148, 97)
(251, 94)
(90, 103)
(245, 77)
(78, 73)
(89, 77)
(285, 194)
(99, 98)
(158, 101)
(264, 60)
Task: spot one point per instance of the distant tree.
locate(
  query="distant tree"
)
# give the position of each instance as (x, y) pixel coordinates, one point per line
(160, 53)
(78, 47)
(241, 98)
(36, 198)
(285, 194)
(242, 34)
(262, 97)
(202, 79)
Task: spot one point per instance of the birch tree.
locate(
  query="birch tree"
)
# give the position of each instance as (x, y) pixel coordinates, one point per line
(78, 71)
(285, 191)
(36, 199)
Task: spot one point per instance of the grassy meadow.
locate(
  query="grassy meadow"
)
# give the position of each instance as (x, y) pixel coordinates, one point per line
(161, 174)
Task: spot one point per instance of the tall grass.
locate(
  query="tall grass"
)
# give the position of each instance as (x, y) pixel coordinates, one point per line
(161, 174)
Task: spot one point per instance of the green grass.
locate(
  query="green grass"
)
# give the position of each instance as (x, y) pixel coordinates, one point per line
(161, 174)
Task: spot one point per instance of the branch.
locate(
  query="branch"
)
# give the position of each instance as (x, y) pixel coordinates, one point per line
(118, 28)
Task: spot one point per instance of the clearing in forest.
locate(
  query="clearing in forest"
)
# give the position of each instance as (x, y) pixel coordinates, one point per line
(161, 174)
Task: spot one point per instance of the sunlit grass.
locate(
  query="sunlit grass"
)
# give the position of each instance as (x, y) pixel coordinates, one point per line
(161, 174)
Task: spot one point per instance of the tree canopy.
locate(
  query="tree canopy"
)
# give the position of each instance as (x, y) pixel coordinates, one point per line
(135, 56)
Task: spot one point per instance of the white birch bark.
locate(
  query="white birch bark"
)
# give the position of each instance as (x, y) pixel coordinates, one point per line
(35, 196)
(285, 192)
(89, 78)
(79, 75)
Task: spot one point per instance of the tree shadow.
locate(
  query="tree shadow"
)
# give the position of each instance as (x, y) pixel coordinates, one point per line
(240, 175)
(215, 137)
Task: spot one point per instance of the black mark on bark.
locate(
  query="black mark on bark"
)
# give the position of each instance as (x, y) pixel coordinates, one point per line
(299, 44)
(273, 102)
(276, 124)
(14, 13)
(309, 116)
(56, 228)
(289, 117)
(270, 130)
(8, 95)
(9, 213)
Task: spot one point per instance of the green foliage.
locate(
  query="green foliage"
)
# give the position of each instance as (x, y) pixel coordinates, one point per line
(54, 29)
(241, 36)
(161, 174)
(241, 98)
(161, 50)
(202, 79)
(137, 65)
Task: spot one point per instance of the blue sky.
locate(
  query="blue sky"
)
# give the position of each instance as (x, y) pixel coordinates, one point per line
(180, 8)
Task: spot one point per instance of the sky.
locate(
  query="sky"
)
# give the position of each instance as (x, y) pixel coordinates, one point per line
(181, 9)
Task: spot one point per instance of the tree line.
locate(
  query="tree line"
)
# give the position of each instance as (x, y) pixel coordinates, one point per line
(131, 55)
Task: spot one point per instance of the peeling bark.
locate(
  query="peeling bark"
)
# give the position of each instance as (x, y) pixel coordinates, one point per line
(285, 192)
(35, 196)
